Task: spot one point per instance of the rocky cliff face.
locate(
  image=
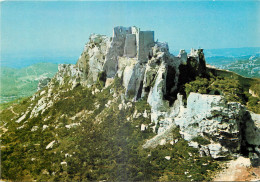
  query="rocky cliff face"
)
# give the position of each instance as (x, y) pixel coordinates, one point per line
(228, 127)
(150, 72)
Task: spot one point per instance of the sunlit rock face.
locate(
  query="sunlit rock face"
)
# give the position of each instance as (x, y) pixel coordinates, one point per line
(211, 117)
(92, 60)
(149, 71)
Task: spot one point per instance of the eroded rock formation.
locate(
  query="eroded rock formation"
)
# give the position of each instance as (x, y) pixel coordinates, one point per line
(150, 72)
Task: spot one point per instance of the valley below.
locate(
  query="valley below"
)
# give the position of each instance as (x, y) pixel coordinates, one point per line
(17, 83)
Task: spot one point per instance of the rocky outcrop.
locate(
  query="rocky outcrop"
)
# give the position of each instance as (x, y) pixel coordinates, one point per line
(212, 118)
(69, 73)
(225, 127)
(92, 60)
(148, 71)
(132, 79)
(43, 82)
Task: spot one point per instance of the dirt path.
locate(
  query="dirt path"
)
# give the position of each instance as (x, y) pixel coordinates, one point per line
(239, 170)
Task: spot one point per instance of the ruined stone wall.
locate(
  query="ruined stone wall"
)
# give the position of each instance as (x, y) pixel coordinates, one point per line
(130, 46)
(115, 49)
(136, 31)
(121, 31)
(183, 56)
(146, 42)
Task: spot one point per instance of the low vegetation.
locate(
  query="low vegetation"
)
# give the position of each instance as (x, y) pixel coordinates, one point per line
(234, 89)
(105, 145)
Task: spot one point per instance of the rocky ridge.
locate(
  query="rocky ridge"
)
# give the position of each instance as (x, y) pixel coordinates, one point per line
(154, 74)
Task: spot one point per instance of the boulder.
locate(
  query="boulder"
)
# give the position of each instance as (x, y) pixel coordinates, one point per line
(50, 145)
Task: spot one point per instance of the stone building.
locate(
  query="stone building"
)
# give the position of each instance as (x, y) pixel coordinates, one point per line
(136, 43)
(128, 42)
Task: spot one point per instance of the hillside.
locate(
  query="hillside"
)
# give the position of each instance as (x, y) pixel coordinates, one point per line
(248, 66)
(128, 110)
(233, 52)
(17, 83)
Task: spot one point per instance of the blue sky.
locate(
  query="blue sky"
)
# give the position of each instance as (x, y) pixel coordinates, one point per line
(62, 28)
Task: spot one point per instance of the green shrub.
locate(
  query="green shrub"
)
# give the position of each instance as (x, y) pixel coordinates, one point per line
(201, 140)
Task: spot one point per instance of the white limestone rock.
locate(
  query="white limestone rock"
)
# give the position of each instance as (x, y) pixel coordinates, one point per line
(44, 127)
(92, 60)
(20, 127)
(163, 142)
(145, 114)
(120, 106)
(216, 150)
(167, 157)
(212, 116)
(34, 128)
(63, 163)
(21, 118)
(72, 125)
(155, 97)
(109, 81)
(42, 104)
(143, 127)
(133, 76)
(50, 145)
(73, 74)
(194, 144)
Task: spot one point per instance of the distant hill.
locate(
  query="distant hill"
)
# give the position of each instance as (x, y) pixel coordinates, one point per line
(232, 52)
(227, 52)
(248, 66)
(16, 83)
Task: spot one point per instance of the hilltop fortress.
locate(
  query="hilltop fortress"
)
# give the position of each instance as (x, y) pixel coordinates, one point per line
(137, 43)
(128, 44)
(147, 70)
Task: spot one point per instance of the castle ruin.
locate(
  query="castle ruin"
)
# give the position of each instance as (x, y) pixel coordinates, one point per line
(128, 42)
(137, 43)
